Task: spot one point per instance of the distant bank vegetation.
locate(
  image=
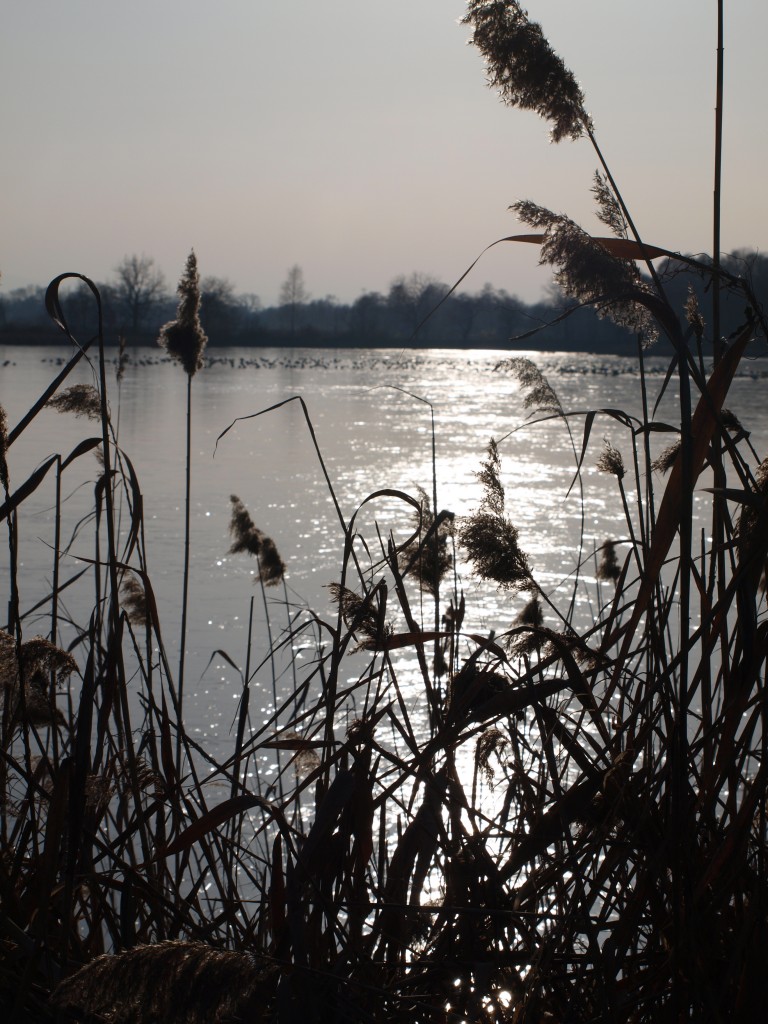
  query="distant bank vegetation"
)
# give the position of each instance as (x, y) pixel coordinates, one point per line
(138, 299)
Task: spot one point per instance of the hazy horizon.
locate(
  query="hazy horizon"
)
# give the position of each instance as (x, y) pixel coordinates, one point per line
(357, 141)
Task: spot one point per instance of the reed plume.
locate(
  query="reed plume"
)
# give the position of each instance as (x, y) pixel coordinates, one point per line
(611, 461)
(37, 655)
(491, 741)
(519, 643)
(25, 674)
(364, 616)
(608, 568)
(523, 67)
(172, 982)
(532, 613)
(305, 758)
(539, 393)
(428, 556)
(184, 338)
(587, 272)
(246, 537)
(693, 314)
(134, 601)
(80, 399)
(490, 538)
(609, 209)
(665, 460)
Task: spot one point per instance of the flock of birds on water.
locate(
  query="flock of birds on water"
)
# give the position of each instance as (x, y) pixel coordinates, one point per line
(295, 361)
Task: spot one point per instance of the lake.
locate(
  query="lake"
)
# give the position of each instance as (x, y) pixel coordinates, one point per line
(372, 422)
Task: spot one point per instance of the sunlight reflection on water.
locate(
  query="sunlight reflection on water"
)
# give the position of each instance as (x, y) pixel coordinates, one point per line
(371, 436)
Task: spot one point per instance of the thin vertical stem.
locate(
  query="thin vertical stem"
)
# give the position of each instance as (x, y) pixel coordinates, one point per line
(718, 187)
(185, 584)
(274, 678)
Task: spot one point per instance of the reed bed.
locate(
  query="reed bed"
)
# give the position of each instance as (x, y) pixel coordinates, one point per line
(574, 826)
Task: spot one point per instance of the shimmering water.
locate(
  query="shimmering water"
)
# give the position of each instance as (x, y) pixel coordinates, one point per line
(372, 434)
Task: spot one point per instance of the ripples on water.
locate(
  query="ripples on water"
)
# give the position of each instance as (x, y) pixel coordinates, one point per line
(372, 435)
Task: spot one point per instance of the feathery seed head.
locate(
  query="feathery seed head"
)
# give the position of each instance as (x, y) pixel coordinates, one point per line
(490, 741)
(171, 981)
(540, 395)
(134, 601)
(364, 616)
(246, 537)
(428, 556)
(490, 538)
(492, 545)
(33, 665)
(608, 209)
(271, 565)
(732, 422)
(532, 614)
(664, 461)
(608, 569)
(488, 475)
(80, 399)
(693, 314)
(611, 460)
(587, 272)
(523, 67)
(184, 338)
(304, 756)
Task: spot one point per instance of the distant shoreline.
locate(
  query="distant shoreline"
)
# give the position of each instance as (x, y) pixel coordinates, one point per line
(27, 337)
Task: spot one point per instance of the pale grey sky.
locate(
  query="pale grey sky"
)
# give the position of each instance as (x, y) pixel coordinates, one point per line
(354, 138)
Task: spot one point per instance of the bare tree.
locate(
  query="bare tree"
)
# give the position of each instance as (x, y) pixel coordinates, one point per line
(412, 298)
(293, 294)
(221, 309)
(140, 287)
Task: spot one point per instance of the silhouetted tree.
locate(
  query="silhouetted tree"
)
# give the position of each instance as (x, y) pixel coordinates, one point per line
(464, 311)
(412, 298)
(293, 295)
(221, 309)
(140, 288)
(366, 316)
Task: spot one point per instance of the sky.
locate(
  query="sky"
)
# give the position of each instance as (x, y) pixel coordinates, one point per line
(358, 140)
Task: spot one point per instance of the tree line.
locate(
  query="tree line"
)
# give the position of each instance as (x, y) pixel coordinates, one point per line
(416, 309)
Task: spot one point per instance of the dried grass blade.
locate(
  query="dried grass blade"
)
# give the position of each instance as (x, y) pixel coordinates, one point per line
(211, 820)
(81, 449)
(29, 486)
(622, 248)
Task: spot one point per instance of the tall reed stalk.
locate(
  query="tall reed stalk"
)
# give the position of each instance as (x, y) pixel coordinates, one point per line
(185, 340)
